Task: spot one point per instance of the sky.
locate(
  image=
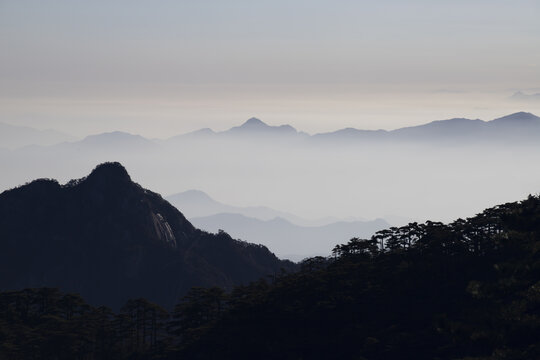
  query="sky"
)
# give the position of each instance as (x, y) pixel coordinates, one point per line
(160, 68)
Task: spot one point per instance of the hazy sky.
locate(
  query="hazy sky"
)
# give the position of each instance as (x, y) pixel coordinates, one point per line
(163, 67)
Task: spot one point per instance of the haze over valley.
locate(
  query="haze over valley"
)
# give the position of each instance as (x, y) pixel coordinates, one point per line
(441, 170)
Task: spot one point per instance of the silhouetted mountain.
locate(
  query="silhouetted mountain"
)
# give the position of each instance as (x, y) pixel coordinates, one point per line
(464, 290)
(12, 136)
(286, 239)
(109, 239)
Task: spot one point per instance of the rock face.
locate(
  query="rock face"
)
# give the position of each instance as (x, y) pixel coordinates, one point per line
(109, 239)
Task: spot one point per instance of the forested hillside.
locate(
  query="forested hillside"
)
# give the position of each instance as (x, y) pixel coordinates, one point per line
(465, 290)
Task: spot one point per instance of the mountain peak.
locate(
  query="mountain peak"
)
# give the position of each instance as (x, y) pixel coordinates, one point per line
(109, 172)
(521, 116)
(252, 122)
(110, 240)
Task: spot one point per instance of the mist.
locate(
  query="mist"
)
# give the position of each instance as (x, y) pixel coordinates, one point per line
(300, 174)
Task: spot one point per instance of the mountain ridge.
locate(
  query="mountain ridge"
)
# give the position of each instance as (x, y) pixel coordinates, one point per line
(286, 238)
(468, 129)
(197, 203)
(256, 129)
(109, 239)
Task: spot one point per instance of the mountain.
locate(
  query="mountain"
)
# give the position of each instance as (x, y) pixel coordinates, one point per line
(516, 119)
(12, 136)
(514, 128)
(109, 239)
(116, 142)
(196, 203)
(252, 129)
(286, 239)
(452, 129)
(254, 126)
(289, 236)
(521, 127)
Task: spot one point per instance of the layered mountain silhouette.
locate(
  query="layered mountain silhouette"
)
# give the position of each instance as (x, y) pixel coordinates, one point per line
(324, 174)
(287, 239)
(518, 127)
(197, 203)
(289, 236)
(109, 239)
(514, 128)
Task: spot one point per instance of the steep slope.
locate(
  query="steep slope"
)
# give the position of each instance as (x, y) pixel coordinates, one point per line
(108, 239)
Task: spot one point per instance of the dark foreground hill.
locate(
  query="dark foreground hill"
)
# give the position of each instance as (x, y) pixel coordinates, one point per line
(110, 240)
(466, 290)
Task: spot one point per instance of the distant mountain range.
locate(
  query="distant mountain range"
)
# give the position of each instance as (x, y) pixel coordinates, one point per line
(196, 204)
(517, 128)
(110, 240)
(286, 239)
(520, 127)
(322, 174)
(252, 128)
(12, 136)
(289, 236)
